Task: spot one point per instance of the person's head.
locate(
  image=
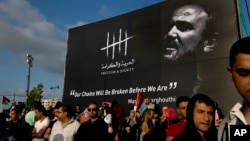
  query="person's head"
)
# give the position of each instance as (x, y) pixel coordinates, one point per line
(93, 110)
(181, 104)
(137, 113)
(77, 107)
(189, 26)
(239, 69)
(164, 111)
(40, 112)
(14, 114)
(147, 100)
(114, 103)
(57, 106)
(13, 103)
(64, 112)
(200, 114)
(132, 113)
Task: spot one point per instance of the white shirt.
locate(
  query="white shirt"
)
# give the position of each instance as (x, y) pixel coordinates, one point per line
(39, 125)
(108, 119)
(66, 133)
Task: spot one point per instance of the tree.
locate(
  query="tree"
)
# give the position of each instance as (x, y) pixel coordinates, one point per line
(35, 95)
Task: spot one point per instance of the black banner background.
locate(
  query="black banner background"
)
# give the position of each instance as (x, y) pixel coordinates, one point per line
(139, 64)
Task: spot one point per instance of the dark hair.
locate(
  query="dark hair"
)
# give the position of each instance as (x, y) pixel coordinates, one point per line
(216, 105)
(18, 111)
(69, 110)
(58, 105)
(240, 46)
(190, 126)
(41, 108)
(108, 110)
(94, 103)
(114, 103)
(182, 99)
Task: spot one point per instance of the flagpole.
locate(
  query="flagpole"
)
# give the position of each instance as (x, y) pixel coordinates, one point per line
(1, 109)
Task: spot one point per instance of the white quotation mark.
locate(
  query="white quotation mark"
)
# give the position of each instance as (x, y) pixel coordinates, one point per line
(172, 85)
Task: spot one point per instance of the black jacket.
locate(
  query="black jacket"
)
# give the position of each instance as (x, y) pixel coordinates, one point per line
(195, 136)
(96, 131)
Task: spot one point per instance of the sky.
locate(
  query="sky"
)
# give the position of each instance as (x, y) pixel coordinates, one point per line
(40, 28)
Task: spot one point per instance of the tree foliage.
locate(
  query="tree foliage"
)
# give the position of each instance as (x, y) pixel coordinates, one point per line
(35, 95)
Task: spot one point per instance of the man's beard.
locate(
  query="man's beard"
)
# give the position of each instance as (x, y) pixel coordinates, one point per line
(172, 47)
(94, 116)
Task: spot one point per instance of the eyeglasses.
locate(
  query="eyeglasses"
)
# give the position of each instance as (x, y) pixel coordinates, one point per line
(92, 109)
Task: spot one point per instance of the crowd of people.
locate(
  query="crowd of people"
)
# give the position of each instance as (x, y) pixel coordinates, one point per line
(108, 121)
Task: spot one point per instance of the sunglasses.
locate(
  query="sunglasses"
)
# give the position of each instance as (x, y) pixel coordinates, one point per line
(92, 109)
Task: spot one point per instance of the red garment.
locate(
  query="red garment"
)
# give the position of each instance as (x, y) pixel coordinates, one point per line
(119, 112)
(83, 118)
(171, 114)
(175, 129)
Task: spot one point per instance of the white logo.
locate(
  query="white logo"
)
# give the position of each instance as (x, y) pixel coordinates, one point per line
(115, 44)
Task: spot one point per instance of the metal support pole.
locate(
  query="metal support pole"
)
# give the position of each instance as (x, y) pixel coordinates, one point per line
(28, 83)
(30, 63)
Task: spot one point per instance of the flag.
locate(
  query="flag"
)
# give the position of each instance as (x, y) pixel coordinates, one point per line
(5, 100)
(140, 104)
(139, 100)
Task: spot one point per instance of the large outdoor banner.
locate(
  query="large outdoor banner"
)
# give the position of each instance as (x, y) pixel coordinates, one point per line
(174, 48)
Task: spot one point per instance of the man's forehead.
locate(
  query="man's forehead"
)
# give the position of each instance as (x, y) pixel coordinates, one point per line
(188, 10)
(183, 103)
(202, 104)
(92, 105)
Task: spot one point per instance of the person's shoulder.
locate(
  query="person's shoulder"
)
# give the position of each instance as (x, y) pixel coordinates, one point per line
(54, 122)
(172, 127)
(85, 123)
(47, 120)
(22, 122)
(37, 122)
(85, 126)
(235, 114)
(76, 122)
(175, 126)
(181, 137)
